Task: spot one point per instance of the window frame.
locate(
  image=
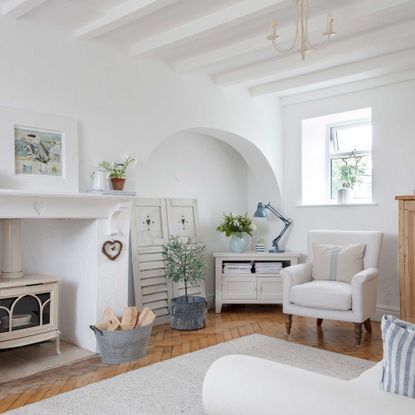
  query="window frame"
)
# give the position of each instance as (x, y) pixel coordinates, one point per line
(331, 156)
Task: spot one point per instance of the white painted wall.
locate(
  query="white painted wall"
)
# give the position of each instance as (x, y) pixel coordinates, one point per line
(127, 105)
(211, 172)
(393, 173)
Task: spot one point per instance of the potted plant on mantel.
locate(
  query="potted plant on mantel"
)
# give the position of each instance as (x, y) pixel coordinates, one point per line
(118, 170)
(184, 261)
(237, 227)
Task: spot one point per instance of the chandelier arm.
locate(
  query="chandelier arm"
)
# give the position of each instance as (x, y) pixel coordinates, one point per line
(279, 48)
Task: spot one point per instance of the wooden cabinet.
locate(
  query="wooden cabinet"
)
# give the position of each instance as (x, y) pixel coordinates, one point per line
(250, 286)
(407, 256)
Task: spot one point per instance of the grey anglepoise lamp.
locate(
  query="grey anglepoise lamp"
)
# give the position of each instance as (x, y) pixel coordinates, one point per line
(261, 213)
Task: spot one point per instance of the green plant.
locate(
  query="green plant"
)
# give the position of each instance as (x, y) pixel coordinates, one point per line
(236, 224)
(350, 169)
(184, 261)
(118, 170)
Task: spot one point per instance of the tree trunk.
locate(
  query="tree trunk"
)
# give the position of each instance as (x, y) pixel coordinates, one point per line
(185, 291)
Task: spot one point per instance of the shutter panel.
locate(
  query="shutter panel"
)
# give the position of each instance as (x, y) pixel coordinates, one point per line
(183, 220)
(149, 233)
(153, 221)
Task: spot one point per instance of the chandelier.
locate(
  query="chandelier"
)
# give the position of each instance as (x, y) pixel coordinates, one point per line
(301, 41)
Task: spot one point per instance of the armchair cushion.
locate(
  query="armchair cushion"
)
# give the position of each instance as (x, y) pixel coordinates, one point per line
(330, 295)
(337, 262)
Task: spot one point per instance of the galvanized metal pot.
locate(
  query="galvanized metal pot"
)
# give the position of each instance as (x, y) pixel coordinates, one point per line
(190, 315)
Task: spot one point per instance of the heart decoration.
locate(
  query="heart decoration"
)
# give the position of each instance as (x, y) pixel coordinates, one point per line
(112, 249)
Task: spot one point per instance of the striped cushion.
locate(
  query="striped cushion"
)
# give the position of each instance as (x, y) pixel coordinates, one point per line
(337, 263)
(398, 356)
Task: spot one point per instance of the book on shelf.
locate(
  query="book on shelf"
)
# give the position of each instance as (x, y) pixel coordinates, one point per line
(237, 268)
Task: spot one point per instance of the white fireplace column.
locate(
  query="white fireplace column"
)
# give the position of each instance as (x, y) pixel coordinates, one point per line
(12, 249)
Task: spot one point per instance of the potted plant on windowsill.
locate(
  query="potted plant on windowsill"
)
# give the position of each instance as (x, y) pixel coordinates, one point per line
(118, 170)
(349, 172)
(237, 227)
(184, 261)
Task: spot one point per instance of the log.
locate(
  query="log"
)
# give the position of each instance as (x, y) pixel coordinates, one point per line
(146, 317)
(129, 318)
(112, 319)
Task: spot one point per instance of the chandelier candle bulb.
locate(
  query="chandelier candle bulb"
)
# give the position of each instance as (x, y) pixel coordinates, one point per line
(301, 40)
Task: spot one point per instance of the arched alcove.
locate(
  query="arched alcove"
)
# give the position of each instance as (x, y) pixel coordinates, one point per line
(225, 172)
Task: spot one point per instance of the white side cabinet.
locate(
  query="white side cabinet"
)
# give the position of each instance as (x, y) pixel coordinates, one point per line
(257, 281)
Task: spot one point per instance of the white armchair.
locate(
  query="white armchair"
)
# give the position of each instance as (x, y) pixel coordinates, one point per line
(334, 300)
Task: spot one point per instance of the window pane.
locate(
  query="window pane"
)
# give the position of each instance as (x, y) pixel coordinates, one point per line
(348, 138)
(355, 171)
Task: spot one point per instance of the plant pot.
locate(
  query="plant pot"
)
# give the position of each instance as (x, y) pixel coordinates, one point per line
(189, 315)
(344, 195)
(238, 244)
(117, 183)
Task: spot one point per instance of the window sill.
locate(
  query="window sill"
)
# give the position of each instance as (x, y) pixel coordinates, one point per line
(337, 205)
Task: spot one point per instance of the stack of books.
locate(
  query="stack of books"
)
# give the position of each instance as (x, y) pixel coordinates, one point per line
(259, 247)
(268, 267)
(237, 268)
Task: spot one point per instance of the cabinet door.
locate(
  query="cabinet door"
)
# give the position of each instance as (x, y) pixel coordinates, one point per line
(270, 288)
(239, 288)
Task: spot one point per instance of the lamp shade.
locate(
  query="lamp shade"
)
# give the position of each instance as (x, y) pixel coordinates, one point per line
(260, 211)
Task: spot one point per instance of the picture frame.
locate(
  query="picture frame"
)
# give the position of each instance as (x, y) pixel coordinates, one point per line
(38, 152)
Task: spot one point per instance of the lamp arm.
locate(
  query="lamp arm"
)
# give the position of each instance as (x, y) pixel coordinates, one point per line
(277, 214)
(287, 223)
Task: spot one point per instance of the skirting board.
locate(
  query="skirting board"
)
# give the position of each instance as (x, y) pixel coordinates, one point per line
(385, 309)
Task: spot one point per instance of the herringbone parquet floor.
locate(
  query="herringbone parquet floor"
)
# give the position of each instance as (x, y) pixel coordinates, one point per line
(165, 343)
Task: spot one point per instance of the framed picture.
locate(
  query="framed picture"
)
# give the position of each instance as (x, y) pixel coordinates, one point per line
(38, 152)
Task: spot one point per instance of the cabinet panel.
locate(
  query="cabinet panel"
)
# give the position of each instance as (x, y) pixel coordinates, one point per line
(239, 288)
(408, 277)
(269, 288)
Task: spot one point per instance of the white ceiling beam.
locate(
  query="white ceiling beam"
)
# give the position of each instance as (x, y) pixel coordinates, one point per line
(344, 13)
(375, 43)
(338, 75)
(119, 16)
(229, 16)
(18, 8)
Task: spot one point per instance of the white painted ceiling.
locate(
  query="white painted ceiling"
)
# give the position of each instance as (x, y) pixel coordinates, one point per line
(226, 39)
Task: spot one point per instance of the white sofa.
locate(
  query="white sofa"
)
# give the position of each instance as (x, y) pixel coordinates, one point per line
(244, 385)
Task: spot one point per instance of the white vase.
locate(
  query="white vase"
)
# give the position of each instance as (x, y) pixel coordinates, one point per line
(344, 195)
(238, 244)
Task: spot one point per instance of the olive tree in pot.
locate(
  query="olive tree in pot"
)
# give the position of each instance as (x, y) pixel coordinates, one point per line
(184, 262)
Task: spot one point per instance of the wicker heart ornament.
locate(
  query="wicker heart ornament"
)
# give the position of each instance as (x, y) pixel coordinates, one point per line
(112, 249)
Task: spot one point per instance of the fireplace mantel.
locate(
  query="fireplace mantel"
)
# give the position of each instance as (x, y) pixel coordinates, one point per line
(15, 204)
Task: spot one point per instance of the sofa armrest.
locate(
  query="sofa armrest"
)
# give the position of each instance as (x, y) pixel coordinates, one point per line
(364, 294)
(245, 385)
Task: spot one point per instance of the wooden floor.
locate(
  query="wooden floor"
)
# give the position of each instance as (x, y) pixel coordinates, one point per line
(165, 343)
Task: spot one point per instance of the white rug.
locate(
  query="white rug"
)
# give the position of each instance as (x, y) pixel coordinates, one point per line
(174, 386)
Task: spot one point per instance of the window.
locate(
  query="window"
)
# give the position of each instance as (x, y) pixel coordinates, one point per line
(336, 150)
(350, 158)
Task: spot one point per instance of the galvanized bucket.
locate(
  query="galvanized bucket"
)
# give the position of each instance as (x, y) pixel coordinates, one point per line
(190, 315)
(122, 346)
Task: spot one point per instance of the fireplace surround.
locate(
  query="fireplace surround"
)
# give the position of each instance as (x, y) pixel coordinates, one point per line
(62, 237)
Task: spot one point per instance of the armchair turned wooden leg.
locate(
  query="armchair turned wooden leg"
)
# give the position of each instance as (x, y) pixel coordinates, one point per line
(319, 322)
(368, 325)
(358, 333)
(288, 323)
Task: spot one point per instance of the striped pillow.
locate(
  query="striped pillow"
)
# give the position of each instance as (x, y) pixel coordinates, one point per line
(398, 356)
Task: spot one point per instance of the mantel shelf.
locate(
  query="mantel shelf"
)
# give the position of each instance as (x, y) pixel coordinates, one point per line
(16, 204)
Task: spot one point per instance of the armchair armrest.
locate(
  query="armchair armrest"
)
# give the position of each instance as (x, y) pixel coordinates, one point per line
(364, 294)
(294, 275)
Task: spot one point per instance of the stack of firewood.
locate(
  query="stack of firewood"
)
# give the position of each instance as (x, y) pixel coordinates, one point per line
(131, 318)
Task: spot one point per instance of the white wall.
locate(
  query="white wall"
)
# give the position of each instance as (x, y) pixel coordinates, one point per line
(393, 174)
(127, 105)
(203, 168)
